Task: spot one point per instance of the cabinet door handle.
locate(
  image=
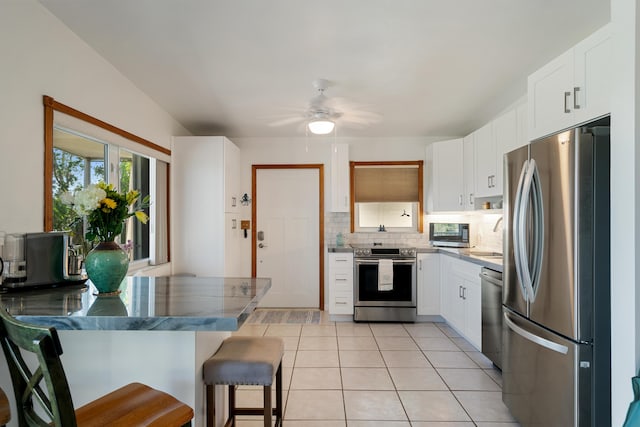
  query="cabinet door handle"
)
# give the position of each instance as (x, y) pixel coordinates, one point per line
(471, 199)
(566, 109)
(460, 199)
(576, 106)
(489, 181)
(459, 291)
(233, 202)
(420, 265)
(341, 302)
(464, 293)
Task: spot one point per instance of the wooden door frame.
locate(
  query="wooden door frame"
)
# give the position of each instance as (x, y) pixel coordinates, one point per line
(254, 204)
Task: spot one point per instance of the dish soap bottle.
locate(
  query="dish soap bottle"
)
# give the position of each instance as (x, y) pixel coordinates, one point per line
(340, 239)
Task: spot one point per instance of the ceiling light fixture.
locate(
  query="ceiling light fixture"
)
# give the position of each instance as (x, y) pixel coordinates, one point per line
(321, 126)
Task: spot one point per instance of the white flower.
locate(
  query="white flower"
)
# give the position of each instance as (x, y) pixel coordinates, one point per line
(67, 198)
(88, 199)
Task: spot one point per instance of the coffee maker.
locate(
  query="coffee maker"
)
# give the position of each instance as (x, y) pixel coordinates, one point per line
(50, 260)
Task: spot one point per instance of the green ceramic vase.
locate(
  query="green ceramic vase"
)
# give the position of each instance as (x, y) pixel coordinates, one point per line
(106, 266)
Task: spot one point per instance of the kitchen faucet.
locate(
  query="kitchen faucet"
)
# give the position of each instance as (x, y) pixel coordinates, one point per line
(495, 227)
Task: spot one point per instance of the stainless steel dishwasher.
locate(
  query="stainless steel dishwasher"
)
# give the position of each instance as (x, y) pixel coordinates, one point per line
(491, 281)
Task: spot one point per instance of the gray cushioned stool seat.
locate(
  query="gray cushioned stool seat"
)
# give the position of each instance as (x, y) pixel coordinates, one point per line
(246, 361)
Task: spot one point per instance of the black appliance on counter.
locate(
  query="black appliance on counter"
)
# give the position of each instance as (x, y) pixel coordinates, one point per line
(375, 301)
(51, 260)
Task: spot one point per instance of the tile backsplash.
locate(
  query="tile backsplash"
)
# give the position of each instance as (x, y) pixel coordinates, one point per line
(485, 230)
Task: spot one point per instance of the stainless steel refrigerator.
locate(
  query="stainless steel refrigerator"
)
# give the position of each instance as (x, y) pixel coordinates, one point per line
(556, 329)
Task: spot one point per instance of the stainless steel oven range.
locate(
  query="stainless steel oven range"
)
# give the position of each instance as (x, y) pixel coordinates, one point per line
(385, 283)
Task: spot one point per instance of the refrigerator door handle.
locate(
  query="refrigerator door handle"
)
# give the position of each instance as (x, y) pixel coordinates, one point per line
(518, 238)
(538, 230)
(522, 243)
(558, 348)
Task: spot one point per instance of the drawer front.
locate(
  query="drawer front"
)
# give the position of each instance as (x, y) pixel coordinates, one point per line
(342, 282)
(342, 303)
(341, 262)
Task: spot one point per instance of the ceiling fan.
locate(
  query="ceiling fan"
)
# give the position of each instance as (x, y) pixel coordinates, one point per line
(323, 112)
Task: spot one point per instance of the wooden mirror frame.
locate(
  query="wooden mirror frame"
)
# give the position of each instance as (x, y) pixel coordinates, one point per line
(352, 182)
(50, 106)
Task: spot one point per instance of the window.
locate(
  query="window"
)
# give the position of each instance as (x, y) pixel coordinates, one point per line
(78, 161)
(81, 150)
(386, 194)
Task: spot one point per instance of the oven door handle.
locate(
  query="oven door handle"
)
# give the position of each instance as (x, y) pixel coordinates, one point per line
(375, 261)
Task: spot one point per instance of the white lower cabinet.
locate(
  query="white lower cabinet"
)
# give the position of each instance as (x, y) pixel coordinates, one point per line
(428, 286)
(462, 298)
(340, 283)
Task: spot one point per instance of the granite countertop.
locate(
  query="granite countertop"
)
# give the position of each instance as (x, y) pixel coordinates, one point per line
(173, 303)
(491, 262)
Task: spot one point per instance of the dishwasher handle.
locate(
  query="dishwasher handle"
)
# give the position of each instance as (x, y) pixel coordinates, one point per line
(490, 279)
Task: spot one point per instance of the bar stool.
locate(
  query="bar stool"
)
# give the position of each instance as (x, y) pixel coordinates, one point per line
(246, 361)
(134, 404)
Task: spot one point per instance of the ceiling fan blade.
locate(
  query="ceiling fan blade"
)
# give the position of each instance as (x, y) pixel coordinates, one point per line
(362, 117)
(287, 121)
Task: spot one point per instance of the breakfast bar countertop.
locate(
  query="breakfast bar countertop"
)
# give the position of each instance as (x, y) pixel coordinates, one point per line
(171, 303)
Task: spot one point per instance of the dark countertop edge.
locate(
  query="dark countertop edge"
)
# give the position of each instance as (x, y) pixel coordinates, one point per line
(484, 262)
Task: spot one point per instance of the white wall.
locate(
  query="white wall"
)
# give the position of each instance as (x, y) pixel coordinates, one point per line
(40, 56)
(316, 149)
(625, 206)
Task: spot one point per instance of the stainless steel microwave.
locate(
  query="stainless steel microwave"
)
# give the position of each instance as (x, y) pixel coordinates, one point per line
(449, 234)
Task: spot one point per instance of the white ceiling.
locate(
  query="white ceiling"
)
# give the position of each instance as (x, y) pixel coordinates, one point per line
(427, 67)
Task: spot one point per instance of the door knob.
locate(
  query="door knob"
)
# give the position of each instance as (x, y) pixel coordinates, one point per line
(262, 245)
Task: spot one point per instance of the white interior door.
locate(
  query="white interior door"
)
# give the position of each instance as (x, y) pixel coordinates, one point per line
(287, 224)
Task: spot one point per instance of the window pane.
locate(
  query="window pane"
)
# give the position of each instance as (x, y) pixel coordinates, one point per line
(135, 175)
(77, 162)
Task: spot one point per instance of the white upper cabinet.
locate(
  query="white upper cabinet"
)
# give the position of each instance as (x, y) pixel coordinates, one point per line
(340, 178)
(445, 180)
(505, 135)
(571, 89)
(469, 172)
(231, 154)
(592, 76)
(485, 155)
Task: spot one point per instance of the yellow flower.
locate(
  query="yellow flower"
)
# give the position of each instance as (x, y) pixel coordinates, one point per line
(142, 217)
(132, 196)
(108, 203)
(105, 187)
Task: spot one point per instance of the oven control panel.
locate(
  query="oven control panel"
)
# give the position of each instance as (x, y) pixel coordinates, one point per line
(362, 252)
(409, 252)
(385, 252)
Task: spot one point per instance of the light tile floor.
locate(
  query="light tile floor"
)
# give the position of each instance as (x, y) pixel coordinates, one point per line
(343, 374)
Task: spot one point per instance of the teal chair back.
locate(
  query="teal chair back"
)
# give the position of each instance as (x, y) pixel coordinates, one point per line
(44, 389)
